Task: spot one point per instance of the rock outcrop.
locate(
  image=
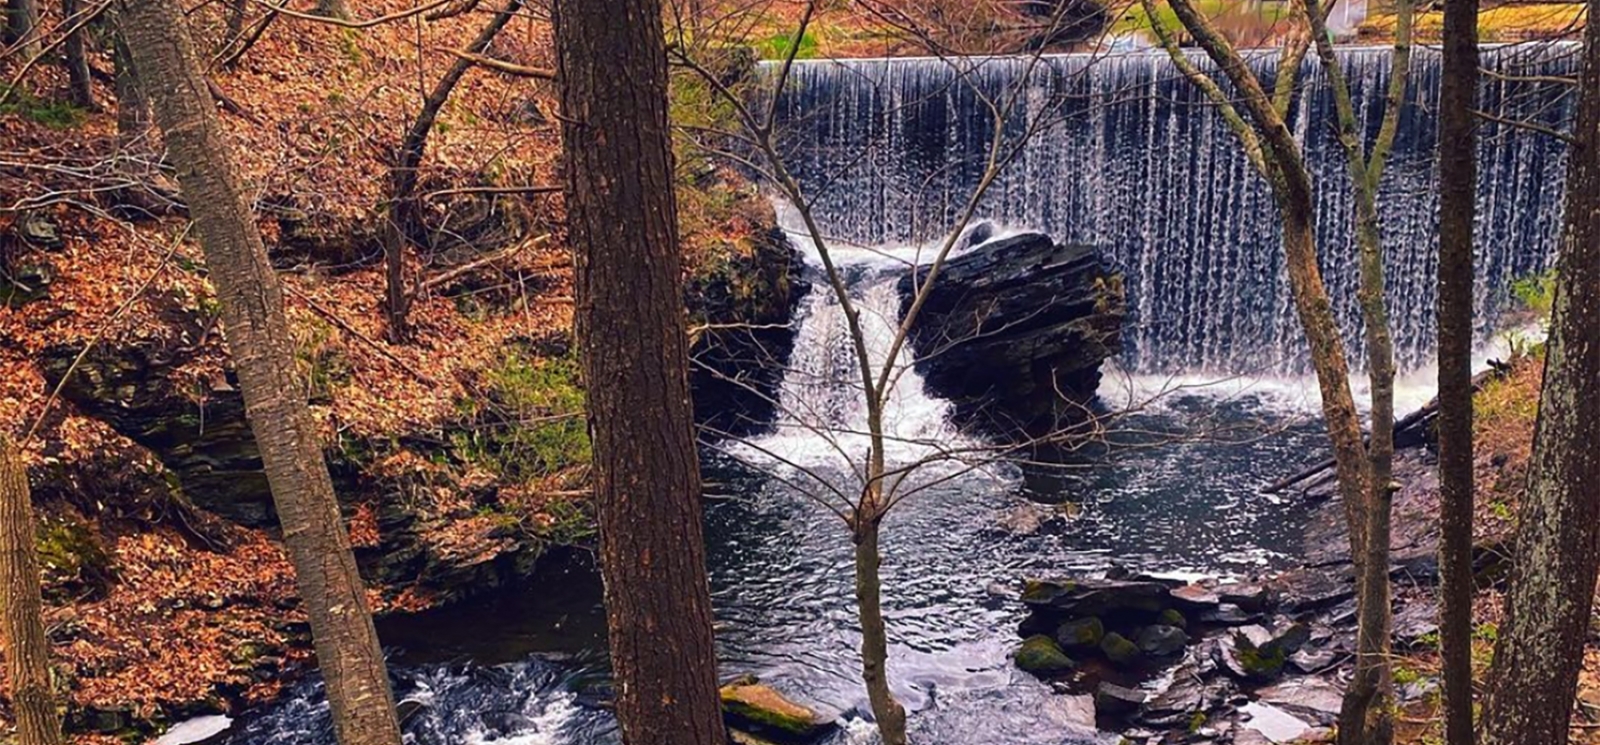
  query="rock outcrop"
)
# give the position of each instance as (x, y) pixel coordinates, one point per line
(740, 311)
(1013, 332)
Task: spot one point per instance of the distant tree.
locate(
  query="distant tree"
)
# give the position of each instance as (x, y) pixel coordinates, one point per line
(76, 56)
(1458, 195)
(21, 608)
(258, 337)
(632, 332)
(1557, 554)
(22, 26)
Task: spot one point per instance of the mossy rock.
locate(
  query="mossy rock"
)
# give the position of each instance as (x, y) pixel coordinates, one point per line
(748, 704)
(1119, 649)
(1081, 634)
(1041, 656)
(1172, 617)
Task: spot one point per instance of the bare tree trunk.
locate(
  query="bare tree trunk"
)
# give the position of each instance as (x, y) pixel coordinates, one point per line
(79, 84)
(1458, 205)
(133, 109)
(631, 327)
(1367, 714)
(404, 226)
(890, 715)
(258, 336)
(22, 609)
(1558, 540)
(22, 25)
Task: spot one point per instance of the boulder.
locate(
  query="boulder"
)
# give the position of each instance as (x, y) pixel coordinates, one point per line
(1195, 597)
(1021, 326)
(1041, 656)
(1119, 649)
(751, 706)
(1161, 640)
(745, 305)
(1081, 634)
(1115, 700)
(1312, 699)
(1256, 654)
(1096, 597)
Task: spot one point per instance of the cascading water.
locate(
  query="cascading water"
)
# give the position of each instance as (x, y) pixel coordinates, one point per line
(1128, 156)
(822, 419)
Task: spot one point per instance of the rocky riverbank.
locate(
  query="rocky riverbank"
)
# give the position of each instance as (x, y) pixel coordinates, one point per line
(1265, 659)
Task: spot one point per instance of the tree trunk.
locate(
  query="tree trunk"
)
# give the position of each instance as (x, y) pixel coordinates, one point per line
(22, 25)
(404, 226)
(1458, 205)
(133, 109)
(258, 337)
(890, 715)
(76, 59)
(1558, 540)
(22, 609)
(631, 328)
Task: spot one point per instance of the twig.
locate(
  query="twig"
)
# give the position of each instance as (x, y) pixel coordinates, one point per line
(101, 332)
(380, 20)
(1529, 126)
(446, 276)
(509, 68)
(333, 318)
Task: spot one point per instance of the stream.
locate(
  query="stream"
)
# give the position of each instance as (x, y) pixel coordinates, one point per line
(527, 666)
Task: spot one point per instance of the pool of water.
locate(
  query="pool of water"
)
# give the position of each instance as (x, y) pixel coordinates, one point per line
(528, 665)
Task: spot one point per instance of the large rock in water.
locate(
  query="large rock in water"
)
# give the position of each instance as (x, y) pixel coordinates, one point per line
(1013, 332)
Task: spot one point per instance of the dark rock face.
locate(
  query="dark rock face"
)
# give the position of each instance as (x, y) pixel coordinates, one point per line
(207, 446)
(744, 307)
(1013, 332)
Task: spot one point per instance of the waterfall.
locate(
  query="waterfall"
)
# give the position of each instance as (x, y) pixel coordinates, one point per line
(822, 419)
(1128, 156)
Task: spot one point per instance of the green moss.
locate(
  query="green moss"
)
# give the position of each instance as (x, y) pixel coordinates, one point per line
(1119, 649)
(1171, 617)
(1263, 662)
(321, 363)
(766, 709)
(70, 554)
(1196, 721)
(1081, 633)
(1041, 656)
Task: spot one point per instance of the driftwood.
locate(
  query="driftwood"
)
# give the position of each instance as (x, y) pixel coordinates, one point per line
(1410, 431)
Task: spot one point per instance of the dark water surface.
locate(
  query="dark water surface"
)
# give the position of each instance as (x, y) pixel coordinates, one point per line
(527, 666)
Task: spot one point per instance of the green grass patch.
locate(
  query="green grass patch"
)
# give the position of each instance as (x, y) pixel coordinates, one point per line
(529, 422)
(52, 114)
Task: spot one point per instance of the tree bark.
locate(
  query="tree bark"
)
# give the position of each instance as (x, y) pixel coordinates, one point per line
(80, 89)
(890, 715)
(133, 109)
(631, 328)
(1367, 714)
(404, 227)
(22, 25)
(1558, 540)
(1458, 205)
(22, 608)
(258, 337)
